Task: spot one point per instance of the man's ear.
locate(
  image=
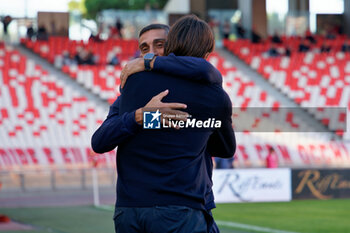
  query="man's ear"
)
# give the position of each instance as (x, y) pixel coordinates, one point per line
(206, 55)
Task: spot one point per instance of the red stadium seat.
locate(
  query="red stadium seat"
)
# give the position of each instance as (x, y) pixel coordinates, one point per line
(310, 79)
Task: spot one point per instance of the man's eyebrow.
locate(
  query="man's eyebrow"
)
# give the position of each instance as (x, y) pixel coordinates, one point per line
(158, 40)
(144, 44)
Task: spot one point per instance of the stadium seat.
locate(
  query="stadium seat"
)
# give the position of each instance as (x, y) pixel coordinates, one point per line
(311, 79)
(38, 110)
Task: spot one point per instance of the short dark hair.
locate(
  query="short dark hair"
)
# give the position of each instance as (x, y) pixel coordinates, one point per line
(153, 27)
(190, 36)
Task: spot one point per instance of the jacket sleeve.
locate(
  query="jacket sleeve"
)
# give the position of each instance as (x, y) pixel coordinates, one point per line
(197, 69)
(222, 143)
(114, 130)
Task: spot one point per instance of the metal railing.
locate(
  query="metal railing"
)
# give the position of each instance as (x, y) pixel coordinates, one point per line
(56, 179)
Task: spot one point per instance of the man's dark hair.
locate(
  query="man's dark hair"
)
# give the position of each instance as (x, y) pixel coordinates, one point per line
(190, 36)
(153, 27)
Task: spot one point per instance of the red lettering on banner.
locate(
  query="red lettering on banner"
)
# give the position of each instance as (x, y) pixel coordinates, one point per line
(259, 151)
(48, 154)
(89, 154)
(326, 159)
(101, 158)
(5, 158)
(336, 152)
(15, 159)
(22, 156)
(284, 153)
(77, 155)
(32, 155)
(312, 154)
(65, 155)
(242, 152)
(303, 154)
(345, 150)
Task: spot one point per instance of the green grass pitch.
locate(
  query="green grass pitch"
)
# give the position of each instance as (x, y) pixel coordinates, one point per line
(311, 216)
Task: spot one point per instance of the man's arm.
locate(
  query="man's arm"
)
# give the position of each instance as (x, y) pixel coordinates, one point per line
(114, 130)
(222, 143)
(117, 128)
(193, 68)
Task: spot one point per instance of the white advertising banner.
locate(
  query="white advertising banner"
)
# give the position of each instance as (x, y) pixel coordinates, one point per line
(252, 185)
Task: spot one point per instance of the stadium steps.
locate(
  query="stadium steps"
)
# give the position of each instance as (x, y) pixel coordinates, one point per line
(265, 85)
(62, 76)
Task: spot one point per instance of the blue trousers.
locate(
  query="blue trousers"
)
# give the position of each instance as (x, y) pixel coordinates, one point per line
(161, 219)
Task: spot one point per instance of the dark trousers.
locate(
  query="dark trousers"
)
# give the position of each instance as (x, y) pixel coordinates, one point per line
(212, 227)
(160, 219)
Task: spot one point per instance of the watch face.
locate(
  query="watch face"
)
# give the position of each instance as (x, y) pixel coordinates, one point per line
(149, 56)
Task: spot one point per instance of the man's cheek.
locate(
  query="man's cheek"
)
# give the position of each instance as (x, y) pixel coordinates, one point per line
(161, 52)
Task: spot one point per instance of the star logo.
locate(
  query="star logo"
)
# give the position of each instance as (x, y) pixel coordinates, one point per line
(156, 115)
(151, 120)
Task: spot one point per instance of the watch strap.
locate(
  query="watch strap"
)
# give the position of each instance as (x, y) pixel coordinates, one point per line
(147, 64)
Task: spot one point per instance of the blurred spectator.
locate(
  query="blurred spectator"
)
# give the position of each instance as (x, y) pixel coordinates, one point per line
(42, 33)
(273, 51)
(271, 159)
(212, 23)
(332, 31)
(287, 52)
(68, 59)
(330, 36)
(325, 47)
(90, 58)
(304, 45)
(84, 57)
(240, 31)
(346, 46)
(78, 55)
(112, 56)
(119, 26)
(6, 21)
(30, 32)
(97, 37)
(226, 29)
(276, 38)
(256, 38)
(114, 61)
(113, 33)
(310, 37)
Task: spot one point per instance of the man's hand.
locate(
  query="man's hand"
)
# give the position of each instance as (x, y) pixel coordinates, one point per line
(132, 67)
(168, 109)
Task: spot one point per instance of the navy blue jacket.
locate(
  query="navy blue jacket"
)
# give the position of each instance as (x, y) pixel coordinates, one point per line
(168, 166)
(119, 127)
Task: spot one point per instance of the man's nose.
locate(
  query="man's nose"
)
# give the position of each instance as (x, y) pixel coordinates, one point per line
(152, 50)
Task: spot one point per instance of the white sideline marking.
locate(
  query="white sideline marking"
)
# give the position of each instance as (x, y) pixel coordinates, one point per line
(250, 227)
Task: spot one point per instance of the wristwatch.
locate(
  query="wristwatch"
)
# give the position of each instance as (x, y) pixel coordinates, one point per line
(147, 59)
